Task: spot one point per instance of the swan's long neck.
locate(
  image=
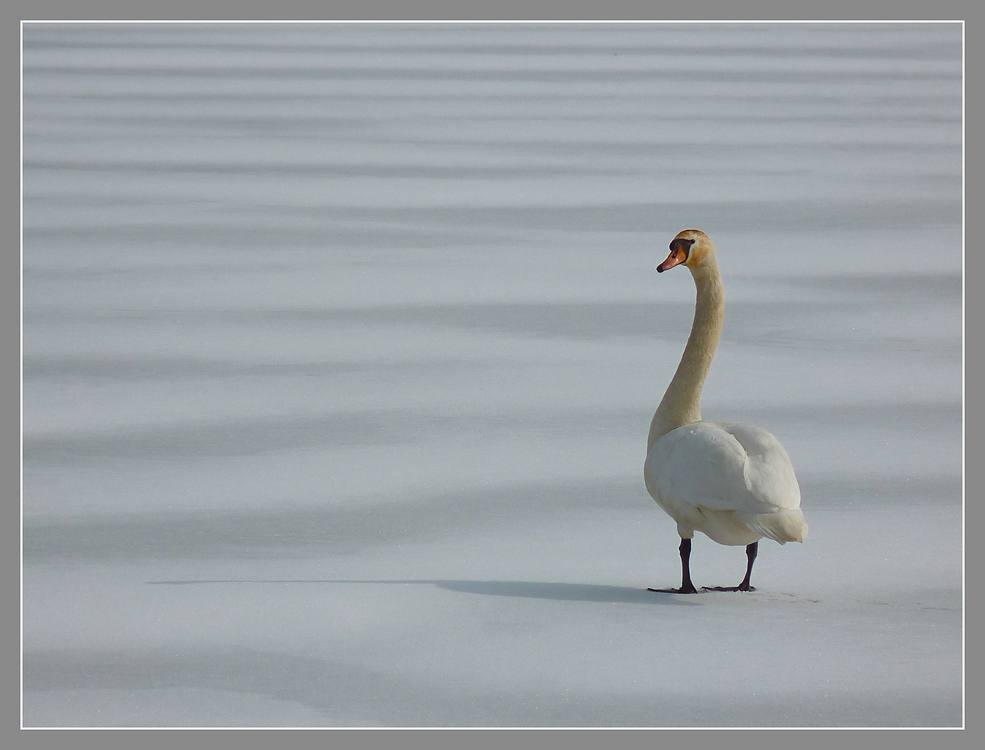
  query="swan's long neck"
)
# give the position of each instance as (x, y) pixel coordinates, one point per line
(681, 403)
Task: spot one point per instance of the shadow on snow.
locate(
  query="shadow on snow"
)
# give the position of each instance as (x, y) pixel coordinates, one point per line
(577, 592)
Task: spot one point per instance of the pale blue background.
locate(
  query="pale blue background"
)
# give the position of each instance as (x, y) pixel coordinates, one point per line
(341, 343)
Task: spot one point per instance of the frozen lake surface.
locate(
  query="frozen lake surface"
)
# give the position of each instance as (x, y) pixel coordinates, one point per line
(341, 345)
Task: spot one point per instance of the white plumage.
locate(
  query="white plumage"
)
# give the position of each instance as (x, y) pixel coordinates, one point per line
(730, 481)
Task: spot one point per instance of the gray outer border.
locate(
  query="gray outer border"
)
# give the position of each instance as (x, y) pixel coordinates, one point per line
(10, 298)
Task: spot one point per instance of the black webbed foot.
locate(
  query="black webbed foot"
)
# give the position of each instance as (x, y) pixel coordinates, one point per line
(681, 590)
(686, 586)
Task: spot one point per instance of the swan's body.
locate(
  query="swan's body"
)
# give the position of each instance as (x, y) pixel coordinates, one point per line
(730, 481)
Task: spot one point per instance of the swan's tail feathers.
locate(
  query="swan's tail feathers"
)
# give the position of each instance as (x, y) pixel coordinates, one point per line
(781, 526)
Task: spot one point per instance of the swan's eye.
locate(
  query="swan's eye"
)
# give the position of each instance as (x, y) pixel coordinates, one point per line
(681, 246)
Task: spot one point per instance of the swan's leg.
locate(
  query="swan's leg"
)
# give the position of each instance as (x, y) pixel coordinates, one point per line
(751, 551)
(686, 586)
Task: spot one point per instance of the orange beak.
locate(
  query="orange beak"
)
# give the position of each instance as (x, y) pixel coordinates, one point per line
(676, 257)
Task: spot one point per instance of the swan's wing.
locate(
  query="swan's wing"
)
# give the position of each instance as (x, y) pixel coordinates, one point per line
(723, 466)
(769, 474)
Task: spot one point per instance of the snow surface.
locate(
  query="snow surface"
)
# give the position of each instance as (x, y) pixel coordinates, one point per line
(341, 345)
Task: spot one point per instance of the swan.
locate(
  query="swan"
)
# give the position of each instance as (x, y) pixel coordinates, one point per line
(730, 481)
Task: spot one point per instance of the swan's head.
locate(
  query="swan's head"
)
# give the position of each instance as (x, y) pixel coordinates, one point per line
(691, 248)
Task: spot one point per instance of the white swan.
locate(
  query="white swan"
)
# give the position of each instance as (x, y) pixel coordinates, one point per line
(730, 481)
